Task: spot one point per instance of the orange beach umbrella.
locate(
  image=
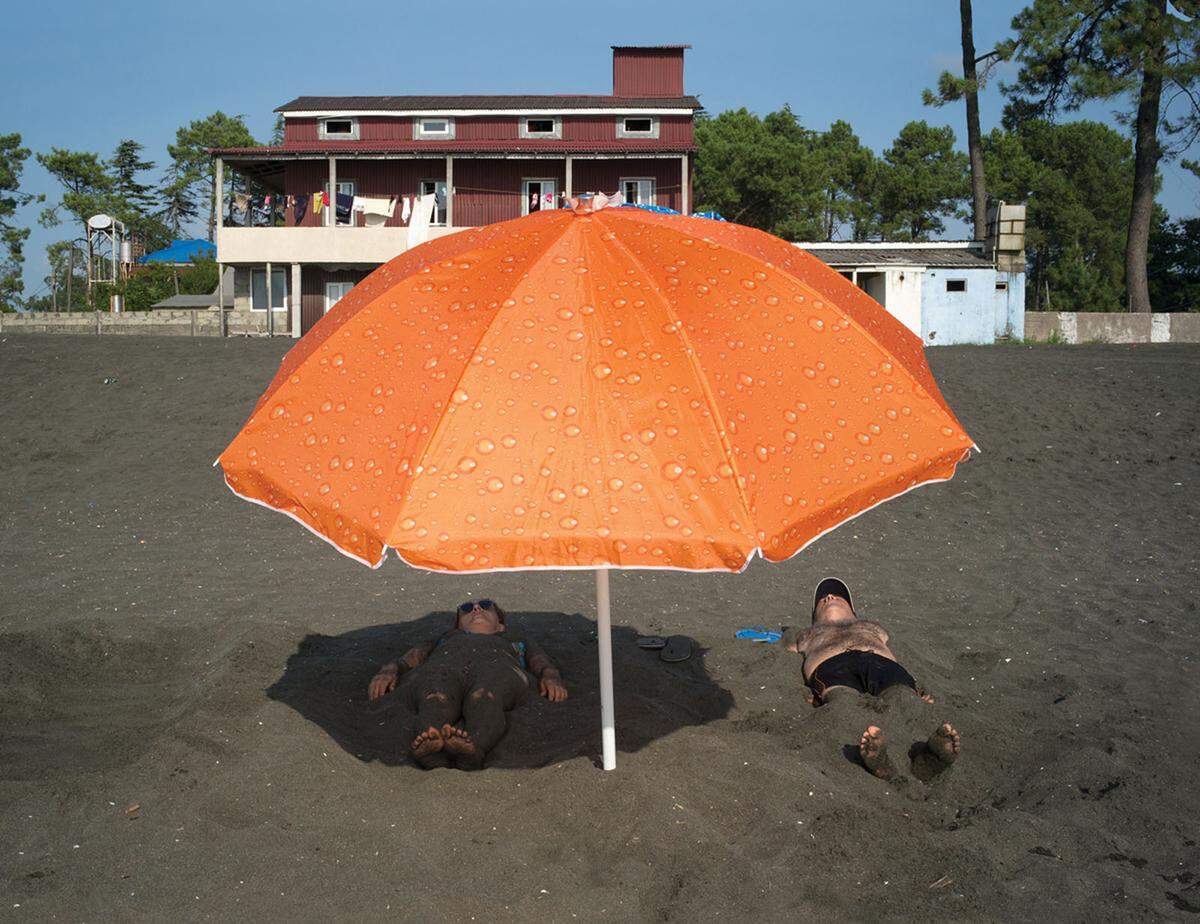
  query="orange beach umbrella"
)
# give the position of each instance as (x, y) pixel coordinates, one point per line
(595, 389)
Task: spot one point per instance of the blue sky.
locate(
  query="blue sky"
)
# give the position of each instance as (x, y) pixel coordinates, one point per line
(86, 75)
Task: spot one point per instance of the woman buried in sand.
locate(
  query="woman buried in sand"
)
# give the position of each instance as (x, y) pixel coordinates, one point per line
(476, 672)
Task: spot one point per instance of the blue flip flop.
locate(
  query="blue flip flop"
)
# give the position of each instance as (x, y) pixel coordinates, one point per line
(759, 634)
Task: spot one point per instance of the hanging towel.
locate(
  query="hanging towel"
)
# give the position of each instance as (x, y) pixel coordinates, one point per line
(344, 203)
(406, 210)
(422, 215)
(325, 199)
(241, 202)
(375, 205)
(301, 208)
(318, 202)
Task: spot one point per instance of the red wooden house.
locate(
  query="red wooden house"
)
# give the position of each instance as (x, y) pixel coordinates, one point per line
(484, 158)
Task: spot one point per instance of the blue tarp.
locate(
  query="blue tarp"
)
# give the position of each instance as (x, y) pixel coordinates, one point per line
(182, 252)
(663, 210)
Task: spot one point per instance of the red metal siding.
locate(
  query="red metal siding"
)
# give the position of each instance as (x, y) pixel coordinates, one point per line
(675, 131)
(589, 128)
(486, 128)
(605, 176)
(312, 291)
(384, 128)
(299, 130)
(486, 191)
(371, 178)
(303, 178)
(646, 72)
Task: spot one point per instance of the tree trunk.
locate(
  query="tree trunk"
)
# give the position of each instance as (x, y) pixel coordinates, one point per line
(974, 148)
(1145, 167)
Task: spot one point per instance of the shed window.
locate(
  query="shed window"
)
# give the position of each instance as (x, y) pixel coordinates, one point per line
(340, 129)
(1001, 286)
(435, 128)
(956, 285)
(258, 289)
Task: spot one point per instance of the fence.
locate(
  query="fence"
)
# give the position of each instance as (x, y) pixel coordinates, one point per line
(1112, 327)
(195, 322)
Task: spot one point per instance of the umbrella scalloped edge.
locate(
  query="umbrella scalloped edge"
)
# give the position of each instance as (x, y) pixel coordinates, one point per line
(757, 550)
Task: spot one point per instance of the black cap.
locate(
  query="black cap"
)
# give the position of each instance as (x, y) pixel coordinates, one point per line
(835, 586)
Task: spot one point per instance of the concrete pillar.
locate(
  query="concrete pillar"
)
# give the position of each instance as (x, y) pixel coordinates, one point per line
(449, 190)
(295, 300)
(569, 191)
(270, 303)
(331, 217)
(220, 299)
(684, 206)
(219, 203)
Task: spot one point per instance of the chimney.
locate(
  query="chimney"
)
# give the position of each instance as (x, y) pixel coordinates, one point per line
(648, 71)
(1006, 235)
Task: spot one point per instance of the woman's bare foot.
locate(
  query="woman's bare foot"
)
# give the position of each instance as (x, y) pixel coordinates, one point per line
(872, 748)
(945, 743)
(426, 744)
(458, 742)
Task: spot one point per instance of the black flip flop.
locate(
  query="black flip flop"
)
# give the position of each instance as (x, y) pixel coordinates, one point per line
(651, 642)
(678, 648)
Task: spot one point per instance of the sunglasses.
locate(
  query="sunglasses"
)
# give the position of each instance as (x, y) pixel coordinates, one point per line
(470, 605)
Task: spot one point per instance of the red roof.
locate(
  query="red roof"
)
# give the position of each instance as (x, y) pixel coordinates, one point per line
(484, 103)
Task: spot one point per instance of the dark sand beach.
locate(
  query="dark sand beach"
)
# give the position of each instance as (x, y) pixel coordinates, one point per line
(184, 730)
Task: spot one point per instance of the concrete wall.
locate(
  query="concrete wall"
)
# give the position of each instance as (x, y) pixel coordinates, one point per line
(958, 317)
(1009, 305)
(1112, 327)
(904, 296)
(163, 323)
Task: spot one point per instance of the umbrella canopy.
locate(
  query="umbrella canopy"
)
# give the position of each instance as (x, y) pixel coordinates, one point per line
(612, 388)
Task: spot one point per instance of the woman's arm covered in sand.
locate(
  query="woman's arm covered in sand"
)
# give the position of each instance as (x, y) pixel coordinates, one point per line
(385, 681)
(550, 683)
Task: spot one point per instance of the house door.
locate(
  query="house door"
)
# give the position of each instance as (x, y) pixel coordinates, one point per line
(539, 195)
(437, 189)
(344, 188)
(334, 292)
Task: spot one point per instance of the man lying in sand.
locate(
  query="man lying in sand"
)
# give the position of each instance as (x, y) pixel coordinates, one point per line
(846, 657)
(477, 672)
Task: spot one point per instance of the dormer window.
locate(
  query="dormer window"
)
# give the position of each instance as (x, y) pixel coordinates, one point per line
(435, 128)
(637, 127)
(541, 127)
(339, 129)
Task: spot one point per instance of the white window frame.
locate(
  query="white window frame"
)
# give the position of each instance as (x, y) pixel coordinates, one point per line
(623, 132)
(283, 290)
(421, 134)
(653, 198)
(325, 135)
(524, 132)
(525, 181)
(341, 289)
(439, 215)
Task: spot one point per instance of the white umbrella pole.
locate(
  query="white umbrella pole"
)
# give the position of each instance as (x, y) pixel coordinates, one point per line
(608, 726)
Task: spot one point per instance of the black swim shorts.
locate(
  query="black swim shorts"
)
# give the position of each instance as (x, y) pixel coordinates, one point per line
(864, 671)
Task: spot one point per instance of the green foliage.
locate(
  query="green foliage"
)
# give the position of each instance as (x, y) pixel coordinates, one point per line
(88, 188)
(193, 166)
(277, 131)
(1076, 179)
(774, 174)
(58, 255)
(1174, 268)
(12, 238)
(1072, 51)
(925, 180)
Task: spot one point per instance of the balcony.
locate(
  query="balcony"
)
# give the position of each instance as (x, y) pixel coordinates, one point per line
(336, 244)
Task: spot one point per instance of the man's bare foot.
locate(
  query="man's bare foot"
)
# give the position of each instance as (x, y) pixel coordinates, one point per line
(945, 743)
(458, 742)
(872, 748)
(426, 745)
